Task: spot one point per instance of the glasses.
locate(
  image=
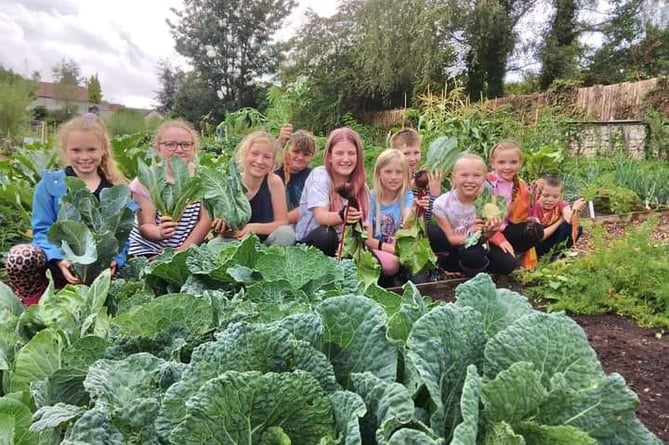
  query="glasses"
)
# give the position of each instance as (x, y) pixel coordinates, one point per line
(173, 145)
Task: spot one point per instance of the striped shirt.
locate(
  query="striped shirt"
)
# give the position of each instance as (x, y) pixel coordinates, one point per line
(140, 246)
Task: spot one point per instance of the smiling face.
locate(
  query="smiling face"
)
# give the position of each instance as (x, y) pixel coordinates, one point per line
(506, 163)
(550, 196)
(468, 176)
(343, 159)
(392, 176)
(83, 151)
(299, 159)
(259, 159)
(176, 141)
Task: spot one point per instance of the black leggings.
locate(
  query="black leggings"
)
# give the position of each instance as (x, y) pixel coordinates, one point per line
(560, 239)
(471, 260)
(326, 239)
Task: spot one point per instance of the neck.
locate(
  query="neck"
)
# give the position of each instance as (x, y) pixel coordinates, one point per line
(464, 199)
(338, 180)
(387, 196)
(251, 182)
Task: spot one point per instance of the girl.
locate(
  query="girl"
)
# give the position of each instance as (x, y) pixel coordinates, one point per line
(519, 233)
(321, 214)
(390, 206)
(456, 220)
(84, 144)
(256, 157)
(153, 231)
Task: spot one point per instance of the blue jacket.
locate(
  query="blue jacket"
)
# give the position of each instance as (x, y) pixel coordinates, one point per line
(46, 202)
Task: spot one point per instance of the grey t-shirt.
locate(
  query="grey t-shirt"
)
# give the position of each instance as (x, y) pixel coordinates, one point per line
(316, 193)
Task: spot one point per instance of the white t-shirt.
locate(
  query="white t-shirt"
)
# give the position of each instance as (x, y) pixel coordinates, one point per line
(462, 217)
(316, 193)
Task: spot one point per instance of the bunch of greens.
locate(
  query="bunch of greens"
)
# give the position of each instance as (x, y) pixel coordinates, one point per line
(487, 206)
(224, 196)
(92, 233)
(413, 246)
(441, 154)
(170, 197)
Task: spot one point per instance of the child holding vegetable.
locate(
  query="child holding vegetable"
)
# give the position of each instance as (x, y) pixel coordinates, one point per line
(457, 219)
(557, 217)
(519, 233)
(322, 211)
(154, 231)
(390, 204)
(84, 144)
(256, 157)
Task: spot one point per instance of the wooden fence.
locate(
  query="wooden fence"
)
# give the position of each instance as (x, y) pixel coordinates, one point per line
(600, 103)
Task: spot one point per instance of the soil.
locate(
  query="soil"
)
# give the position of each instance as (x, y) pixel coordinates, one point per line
(640, 355)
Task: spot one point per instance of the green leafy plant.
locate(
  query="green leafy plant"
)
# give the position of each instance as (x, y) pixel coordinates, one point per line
(170, 197)
(92, 233)
(224, 196)
(487, 206)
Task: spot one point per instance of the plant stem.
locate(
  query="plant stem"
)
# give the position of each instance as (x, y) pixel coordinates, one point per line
(343, 233)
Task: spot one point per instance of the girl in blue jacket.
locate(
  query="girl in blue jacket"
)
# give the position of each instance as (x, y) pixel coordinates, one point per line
(85, 146)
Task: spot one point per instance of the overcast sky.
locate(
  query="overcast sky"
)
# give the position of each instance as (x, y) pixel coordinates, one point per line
(120, 40)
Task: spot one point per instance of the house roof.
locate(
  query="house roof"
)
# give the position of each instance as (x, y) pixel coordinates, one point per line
(47, 90)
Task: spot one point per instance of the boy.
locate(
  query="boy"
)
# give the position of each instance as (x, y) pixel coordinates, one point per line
(556, 216)
(408, 142)
(301, 150)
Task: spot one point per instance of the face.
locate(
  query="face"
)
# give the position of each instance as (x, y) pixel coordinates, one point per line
(83, 151)
(343, 158)
(506, 163)
(550, 196)
(299, 160)
(468, 176)
(259, 159)
(176, 141)
(392, 176)
(413, 156)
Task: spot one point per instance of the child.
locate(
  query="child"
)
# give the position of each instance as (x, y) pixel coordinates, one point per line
(154, 232)
(390, 205)
(85, 146)
(256, 157)
(555, 216)
(456, 220)
(519, 233)
(302, 149)
(408, 142)
(321, 212)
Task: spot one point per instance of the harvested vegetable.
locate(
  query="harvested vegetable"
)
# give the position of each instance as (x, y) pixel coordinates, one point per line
(170, 197)
(224, 196)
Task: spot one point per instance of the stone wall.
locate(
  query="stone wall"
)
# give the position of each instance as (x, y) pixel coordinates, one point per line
(609, 137)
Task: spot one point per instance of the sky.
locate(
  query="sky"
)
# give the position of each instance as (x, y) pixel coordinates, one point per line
(119, 40)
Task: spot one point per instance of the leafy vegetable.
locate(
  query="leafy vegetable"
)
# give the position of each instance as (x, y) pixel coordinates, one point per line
(413, 246)
(441, 154)
(224, 196)
(92, 233)
(487, 206)
(170, 197)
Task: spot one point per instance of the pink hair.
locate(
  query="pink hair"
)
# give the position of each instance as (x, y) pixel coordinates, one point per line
(357, 178)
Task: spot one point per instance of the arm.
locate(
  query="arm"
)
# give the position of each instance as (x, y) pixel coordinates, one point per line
(44, 215)
(200, 231)
(453, 238)
(294, 215)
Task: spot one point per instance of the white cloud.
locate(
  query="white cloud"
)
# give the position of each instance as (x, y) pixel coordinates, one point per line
(121, 40)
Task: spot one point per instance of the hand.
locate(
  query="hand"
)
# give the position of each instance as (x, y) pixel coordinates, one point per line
(218, 226)
(64, 266)
(113, 266)
(579, 205)
(166, 227)
(434, 181)
(354, 216)
(507, 248)
(285, 133)
(243, 232)
(491, 226)
(423, 203)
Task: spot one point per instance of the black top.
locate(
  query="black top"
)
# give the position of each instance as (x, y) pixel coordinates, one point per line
(104, 183)
(294, 187)
(261, 206)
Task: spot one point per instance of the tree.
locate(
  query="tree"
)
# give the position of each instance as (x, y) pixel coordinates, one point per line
(16, 94)
(67, 77)
(125, 121)
(170, 80)
(560, 47)
(229, 43)
(94, 89)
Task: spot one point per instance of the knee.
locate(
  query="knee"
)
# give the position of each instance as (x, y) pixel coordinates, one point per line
(283, 236)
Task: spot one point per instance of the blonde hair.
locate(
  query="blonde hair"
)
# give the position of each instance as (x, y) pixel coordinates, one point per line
(464, 157)
(255, 138)
(91, 123)
(177, 123)
(386, 157)
(406, 137)
(507, 144)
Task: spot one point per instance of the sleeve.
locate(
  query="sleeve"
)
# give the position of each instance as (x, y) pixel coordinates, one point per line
(439, 206)
(408, 199)
(318, 187)
(122, 256)
(45, 213)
